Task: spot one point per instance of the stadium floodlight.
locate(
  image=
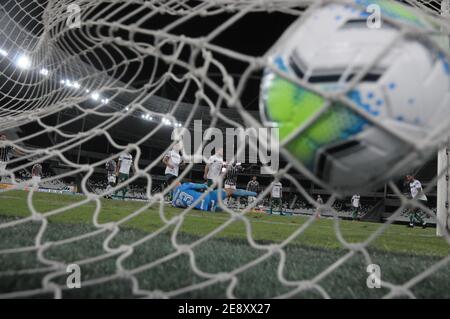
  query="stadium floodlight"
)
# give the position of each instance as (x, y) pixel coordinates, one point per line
(88, 91)
(127, 108)
(23, 62)
(95, 96)
(44, 72)
(3, 52)
(76, 85)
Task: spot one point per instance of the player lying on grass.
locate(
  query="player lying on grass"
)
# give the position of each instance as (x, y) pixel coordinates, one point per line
(187, 194)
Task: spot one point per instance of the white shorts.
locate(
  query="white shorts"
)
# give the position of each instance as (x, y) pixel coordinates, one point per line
(230, 186)
(36, 179)
(112, 178)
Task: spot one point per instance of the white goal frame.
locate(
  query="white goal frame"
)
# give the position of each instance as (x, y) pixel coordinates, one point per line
(443, 170)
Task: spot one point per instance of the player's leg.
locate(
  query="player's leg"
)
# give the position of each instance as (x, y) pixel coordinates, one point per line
(411, 216)
(420, 217)
(2, 170)
(280, 206)
(111, 181)
(273, 205)
(228, 200)
(36, 180)
(116, 193)
(354, 213)
(251, 200)
(169, 179)
(125, 188)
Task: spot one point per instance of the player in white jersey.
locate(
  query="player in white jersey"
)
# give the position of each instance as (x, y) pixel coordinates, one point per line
(173, 160)
(276, 196)
(36, 173)
(213, 168)
(111, 169)
(123, 171)
(415, 214)
(355, 206)
(319, 211)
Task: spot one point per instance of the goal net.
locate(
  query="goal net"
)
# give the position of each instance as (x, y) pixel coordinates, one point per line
(84, 82)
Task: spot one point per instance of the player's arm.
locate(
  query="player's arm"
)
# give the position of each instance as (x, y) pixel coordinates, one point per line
(224, 172)
(119, 162)
(166, 161)
(195, 186)
(205, 174)
(241, 193)
(133, 169)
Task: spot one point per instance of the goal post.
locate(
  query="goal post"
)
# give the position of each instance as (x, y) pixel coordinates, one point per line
(443, 189)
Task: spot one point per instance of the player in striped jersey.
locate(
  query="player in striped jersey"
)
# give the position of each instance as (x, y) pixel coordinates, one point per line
(253, 186)
(231, 172)
(417, 193)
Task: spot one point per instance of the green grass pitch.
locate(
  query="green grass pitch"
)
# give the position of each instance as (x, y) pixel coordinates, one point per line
(401, 253)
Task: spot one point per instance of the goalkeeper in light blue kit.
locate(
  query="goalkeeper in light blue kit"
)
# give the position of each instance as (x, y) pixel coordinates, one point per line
(187, 194)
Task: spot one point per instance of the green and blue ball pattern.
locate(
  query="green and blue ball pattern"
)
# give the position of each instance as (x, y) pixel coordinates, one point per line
(291, 106)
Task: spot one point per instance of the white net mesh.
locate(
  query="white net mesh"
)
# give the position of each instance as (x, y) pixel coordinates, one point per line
(75, 96)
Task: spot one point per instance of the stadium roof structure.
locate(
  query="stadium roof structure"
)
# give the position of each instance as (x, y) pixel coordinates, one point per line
(60, 66)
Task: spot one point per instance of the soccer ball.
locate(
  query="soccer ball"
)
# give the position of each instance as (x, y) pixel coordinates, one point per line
(398, 102)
